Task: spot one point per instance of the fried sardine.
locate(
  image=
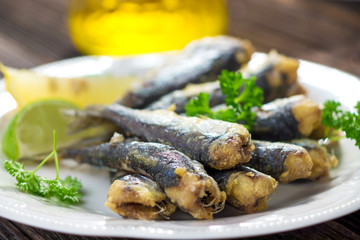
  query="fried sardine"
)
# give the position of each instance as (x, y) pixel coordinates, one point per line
(139, 197)
(200, 61)
(194, 192)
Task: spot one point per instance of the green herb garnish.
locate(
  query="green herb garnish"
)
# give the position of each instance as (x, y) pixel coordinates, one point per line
(242, 95)
(349, 122)
(66, 190)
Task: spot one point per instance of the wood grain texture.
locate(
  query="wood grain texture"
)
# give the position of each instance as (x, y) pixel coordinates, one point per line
(319, 31)
(34, 32)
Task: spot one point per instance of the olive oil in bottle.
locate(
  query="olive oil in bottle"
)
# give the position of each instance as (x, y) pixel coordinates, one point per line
(121, 27)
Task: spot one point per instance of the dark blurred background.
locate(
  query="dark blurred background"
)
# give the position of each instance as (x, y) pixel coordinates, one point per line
(34, 32)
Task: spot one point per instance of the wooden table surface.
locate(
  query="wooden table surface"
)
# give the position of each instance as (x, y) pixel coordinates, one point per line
(33, 32)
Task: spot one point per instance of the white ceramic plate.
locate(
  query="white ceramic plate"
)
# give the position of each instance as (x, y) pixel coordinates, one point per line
(293, 206)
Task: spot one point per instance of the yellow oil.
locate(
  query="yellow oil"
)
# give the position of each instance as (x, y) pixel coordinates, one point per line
(122, 27)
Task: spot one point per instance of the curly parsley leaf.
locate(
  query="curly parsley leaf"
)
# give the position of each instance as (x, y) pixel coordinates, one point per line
(66, 190)
(199, 106)
(349, 122)
(241, 95)
(226, 114)
(230, 84)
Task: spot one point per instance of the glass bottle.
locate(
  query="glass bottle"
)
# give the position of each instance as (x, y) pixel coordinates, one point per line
(122, 27)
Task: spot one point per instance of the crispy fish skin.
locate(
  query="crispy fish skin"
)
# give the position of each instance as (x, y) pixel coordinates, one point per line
(246, 189)
(178, 99)
(283, 161)
(138, 197)
(193, 192)
(277, 76)
(216, 144)
(200, 61)
(286, 119)
(322, 160)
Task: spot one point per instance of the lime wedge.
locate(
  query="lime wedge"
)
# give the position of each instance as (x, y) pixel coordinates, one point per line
(30, 131)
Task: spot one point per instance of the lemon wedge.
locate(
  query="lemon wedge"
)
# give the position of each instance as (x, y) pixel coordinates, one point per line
(27, 86)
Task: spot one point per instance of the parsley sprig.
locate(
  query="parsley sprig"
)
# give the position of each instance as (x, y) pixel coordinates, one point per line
(242, 95)
(66, 190)
(334, 117)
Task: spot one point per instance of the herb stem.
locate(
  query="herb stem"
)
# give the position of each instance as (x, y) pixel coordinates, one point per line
(43, 162)
(64, 190)
(56, 157)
